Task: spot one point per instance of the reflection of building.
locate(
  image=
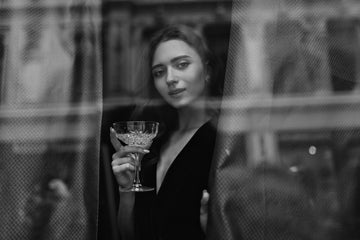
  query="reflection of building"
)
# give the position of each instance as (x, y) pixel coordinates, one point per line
(287, 63)
(44, 137)
(3, 47)
(344, 53)
(291, 108)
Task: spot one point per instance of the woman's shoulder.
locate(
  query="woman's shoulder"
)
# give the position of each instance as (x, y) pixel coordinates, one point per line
(206, 135)
(210, 126)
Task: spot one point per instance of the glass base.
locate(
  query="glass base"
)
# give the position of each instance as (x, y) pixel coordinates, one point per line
(138, 188)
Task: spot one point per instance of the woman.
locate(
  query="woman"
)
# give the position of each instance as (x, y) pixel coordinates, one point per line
(183, 74)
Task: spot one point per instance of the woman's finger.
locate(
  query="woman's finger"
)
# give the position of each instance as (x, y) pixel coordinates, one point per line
(114, 141)
(122, 160)
(123, 167)
(125, 151)
(204, 202)
(124, 174)
(204, 210)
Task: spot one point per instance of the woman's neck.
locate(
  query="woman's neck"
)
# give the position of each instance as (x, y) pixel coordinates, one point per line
(192, 118)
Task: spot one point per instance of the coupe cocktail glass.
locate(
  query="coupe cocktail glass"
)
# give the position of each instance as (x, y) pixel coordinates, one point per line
(137, 134)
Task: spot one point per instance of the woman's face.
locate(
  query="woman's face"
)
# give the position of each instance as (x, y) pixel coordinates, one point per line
(179, 74)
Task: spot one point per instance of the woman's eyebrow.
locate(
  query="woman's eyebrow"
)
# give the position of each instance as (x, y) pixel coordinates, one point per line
(175, 59)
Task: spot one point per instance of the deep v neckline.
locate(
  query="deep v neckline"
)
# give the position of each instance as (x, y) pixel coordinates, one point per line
(176, 161)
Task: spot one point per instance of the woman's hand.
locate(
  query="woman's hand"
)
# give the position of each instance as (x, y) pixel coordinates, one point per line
(204, 210)
(123, 162)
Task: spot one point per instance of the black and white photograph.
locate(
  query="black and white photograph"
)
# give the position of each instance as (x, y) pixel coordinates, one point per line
(179, 119)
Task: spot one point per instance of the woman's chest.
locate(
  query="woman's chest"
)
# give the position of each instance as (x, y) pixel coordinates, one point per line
(169, 153)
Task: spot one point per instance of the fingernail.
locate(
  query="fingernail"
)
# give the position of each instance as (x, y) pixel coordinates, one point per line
(112, 130)
(146, 151)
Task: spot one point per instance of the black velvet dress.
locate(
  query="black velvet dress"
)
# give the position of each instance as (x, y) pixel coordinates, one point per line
(174, 212)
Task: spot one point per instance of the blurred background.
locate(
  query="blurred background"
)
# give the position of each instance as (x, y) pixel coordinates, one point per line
(68, 69)
(50, 118)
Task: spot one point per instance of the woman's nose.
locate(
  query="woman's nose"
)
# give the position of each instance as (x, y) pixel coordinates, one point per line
(170, 77)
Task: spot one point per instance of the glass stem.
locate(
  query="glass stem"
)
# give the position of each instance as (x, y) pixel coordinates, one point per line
(137, 171)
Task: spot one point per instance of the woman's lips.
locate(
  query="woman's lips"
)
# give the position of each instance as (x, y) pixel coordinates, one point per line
(176, 91)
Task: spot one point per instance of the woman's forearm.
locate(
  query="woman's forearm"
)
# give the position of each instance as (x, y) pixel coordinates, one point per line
(126, 216)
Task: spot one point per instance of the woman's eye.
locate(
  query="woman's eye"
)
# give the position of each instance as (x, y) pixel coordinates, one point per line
(157, 73)
(183, 65)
